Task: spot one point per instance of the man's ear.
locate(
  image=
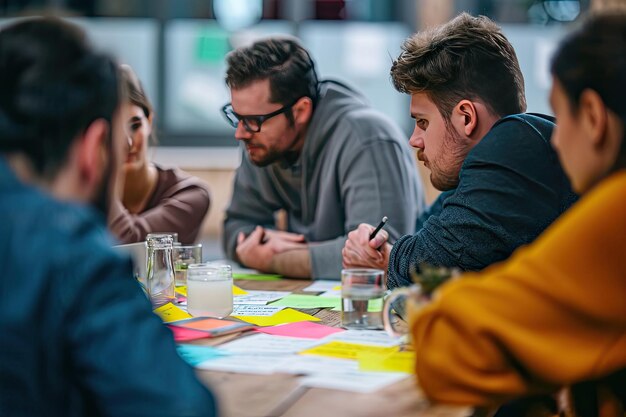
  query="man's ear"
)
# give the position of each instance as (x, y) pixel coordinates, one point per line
(93, 153)
(465, 115)
(303, 110)
(593, 117)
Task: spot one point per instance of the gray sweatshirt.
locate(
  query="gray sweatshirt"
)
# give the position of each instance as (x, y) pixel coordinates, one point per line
(355, 167)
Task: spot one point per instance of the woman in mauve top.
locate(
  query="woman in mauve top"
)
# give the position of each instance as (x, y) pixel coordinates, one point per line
(155, 199)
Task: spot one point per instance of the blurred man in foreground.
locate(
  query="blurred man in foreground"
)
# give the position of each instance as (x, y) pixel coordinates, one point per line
(78, 335)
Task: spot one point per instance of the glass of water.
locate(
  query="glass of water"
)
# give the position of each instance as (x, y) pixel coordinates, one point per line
(185, 255)
(362, 293)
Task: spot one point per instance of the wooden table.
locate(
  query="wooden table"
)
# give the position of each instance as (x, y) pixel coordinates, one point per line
(247, 395)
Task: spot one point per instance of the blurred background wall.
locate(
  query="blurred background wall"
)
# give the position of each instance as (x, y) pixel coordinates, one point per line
(177, 47)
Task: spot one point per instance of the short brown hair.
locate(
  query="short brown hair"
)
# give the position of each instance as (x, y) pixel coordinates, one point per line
(466, 58)
(282, 60)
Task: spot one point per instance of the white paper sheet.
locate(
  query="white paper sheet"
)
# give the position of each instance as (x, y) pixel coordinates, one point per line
(268, 344)
(259, 297)
(307, 365)
(255, 364)
(365, 337)
(322, 285)
(353, 381)
(255, 310)
(331, 293)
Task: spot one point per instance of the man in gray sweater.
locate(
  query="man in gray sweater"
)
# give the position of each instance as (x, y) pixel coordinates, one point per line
(317, 151)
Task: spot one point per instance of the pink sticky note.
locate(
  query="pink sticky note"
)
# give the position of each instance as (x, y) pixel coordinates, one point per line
(182, 334)
(304, 329)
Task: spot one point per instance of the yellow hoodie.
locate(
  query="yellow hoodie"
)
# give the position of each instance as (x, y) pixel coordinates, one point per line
(552, 315)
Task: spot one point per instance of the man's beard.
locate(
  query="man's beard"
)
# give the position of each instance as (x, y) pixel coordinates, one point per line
(444, 180)
(271, 157)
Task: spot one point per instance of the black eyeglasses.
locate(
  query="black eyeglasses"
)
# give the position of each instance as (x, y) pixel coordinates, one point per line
(251, 122)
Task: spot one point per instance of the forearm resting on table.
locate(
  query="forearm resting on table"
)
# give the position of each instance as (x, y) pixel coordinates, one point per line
(294, 263)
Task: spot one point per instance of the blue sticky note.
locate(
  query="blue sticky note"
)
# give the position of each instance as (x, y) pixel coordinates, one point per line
(194, 355)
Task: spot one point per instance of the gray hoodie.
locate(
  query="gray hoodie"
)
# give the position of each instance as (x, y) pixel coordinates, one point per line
(355, 167)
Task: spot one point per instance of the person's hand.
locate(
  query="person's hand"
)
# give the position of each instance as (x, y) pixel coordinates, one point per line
(282, 237)
(359, 251)
(259, 247)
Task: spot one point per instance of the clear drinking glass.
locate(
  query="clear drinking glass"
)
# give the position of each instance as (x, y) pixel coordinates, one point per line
(209, 290)
(160, 275)
(185, 255)
(362, 292)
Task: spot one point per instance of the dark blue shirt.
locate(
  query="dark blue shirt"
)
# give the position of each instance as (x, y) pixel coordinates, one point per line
(511, 187)
(78, 336)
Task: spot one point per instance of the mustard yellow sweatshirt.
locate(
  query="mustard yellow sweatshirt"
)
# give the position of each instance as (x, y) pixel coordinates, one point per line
(552, 315)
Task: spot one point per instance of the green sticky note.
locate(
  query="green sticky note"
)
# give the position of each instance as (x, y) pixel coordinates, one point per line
(375, 305)
(258, 277)
(308, 301)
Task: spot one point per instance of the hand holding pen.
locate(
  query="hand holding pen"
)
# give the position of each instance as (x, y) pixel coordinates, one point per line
(380, 226)
(367, 246)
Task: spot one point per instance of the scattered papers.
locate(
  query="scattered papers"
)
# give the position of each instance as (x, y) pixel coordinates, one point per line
(182, 290)
(255, 310)
(321, 286)
(353, 381)
(195, 355)
(304, 329)
(307, 365)
(239, 291)
(169, 312)
(213, 326)
(260, 297)
(287, 315)
(182, 334)
(258, 277)
(335, 292)
(367, 337)
(255, 364)
(394, 362)
(344, 350)
(308, 301)
(267, 344)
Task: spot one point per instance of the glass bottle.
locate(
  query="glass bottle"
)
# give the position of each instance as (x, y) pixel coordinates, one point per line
(160, 276)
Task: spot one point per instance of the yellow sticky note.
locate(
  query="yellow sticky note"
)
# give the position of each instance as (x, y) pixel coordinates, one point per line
(394, 362)
(169, 312)
(182, 290)
(337, 288)
(238, 291)
(288, 315)
(345, 350)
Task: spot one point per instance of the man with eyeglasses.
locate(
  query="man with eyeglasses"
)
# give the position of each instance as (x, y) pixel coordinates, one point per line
(317, 151)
